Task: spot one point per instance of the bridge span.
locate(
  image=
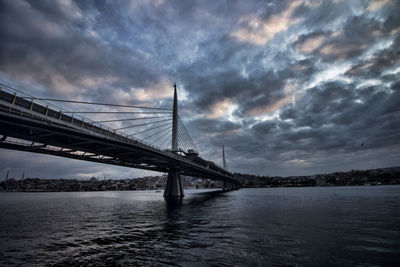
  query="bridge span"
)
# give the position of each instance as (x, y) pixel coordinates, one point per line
(35, 125)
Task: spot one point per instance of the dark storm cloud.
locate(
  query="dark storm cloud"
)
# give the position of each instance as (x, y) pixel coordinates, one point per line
(213, 126)
(352, 39)
(296, 86)
(329, 120)
(380, 62)
(63, 52)
(343, 116)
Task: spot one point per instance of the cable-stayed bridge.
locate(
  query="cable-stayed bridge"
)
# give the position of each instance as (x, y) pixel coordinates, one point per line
(147, 138)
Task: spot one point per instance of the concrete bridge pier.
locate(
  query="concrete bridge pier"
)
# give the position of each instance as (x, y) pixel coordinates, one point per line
(174, 186)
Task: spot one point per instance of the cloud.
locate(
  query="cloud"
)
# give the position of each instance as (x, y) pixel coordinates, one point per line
(270, 108)
(375, 5)
(259, 31)
(160, 90)
(341, 50)
(311, 44)
(378, 63)
(45, 49)
(289, 87)
(220, 109)
(351, 39)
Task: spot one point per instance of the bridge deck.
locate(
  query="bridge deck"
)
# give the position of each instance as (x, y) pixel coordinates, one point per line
(43, 129)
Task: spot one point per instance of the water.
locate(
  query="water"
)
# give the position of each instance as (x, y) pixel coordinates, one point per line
(249, 227)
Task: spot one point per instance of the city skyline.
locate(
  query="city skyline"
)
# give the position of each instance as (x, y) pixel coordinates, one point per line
(288, 87)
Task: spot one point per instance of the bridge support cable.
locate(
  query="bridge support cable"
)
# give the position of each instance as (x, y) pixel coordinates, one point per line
(187, 145)
(170, 142)
(95, 103)
(156, 133)
(161, 136)
(168, 139)
(142, 124)
(149, 129)
(134, 119)
(157, 115)
(183, 139)
(183, 142)
(185, 134)
(118, 112)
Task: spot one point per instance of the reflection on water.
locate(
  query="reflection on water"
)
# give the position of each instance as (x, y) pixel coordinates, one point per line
(280, 226)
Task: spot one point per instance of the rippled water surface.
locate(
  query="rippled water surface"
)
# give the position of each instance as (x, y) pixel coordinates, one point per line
(249, 227)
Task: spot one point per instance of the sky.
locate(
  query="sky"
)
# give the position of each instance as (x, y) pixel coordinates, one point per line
(288, 87)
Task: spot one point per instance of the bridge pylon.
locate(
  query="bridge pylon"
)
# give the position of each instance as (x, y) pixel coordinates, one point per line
(174, 185)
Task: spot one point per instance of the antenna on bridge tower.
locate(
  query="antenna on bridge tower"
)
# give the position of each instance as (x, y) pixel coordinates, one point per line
(223, 159)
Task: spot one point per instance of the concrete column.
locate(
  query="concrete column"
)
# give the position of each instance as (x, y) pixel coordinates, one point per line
(174, 185)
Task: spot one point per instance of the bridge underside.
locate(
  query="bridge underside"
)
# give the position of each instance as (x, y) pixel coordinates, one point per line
(45, 141)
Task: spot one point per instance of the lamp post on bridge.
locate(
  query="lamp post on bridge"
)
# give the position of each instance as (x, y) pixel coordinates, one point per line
(174, 185)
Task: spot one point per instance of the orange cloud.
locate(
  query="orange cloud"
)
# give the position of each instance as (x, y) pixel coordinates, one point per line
(290, 94)
(220, 109)
(160, 90)
(340, 50)
(259, 32)
(272, 107)
(314, 43)
(311, 44)
(375, 5)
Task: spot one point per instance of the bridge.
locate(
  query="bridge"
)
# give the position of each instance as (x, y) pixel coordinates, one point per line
(160, 141)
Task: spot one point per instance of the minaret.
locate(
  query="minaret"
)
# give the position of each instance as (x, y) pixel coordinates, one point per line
(174, 187)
